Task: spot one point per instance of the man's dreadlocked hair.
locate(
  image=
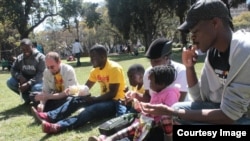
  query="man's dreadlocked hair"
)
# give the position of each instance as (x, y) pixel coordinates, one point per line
(164, 74)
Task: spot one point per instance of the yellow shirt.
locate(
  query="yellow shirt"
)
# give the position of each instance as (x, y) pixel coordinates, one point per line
(112, 73)
(59, 82)
(135, 89)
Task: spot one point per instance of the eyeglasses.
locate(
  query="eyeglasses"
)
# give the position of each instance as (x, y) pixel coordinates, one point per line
(51, 67)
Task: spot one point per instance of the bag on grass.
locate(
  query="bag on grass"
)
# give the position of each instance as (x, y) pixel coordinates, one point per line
(116, 124)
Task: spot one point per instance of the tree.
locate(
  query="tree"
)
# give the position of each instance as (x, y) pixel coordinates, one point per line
(71, 9)
(139, 17)
(8, 37)
(181, 8)
(25, 15)
(78, 10)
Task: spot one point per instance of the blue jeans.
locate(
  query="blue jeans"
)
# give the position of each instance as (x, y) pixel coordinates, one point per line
(120, 108)
(92, 111)
(203, 105)
(12, 83)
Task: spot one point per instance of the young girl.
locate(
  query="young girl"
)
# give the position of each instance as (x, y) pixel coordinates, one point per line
(160, 78)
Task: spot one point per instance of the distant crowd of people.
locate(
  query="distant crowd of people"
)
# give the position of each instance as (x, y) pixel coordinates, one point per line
(165, 90)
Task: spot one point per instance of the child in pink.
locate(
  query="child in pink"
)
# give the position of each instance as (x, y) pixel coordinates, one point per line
(160, 78)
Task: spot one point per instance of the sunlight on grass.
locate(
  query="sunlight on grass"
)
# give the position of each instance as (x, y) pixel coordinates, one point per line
(17, 123)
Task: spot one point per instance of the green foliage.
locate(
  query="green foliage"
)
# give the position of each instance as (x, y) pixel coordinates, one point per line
(92, 17)
(25, 15)
(140, 18)
(177, 45)
(77, 9)
(119, 13)
(141, 49)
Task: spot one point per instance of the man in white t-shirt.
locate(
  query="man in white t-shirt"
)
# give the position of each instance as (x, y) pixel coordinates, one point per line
(159, 53)
(77, 50)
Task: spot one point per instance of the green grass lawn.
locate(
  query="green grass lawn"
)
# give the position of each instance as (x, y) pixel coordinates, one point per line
(17, 123)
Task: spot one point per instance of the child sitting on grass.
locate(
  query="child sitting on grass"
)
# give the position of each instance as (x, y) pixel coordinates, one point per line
(135, 76)
(160, 78)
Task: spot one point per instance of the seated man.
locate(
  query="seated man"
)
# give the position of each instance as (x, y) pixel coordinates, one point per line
(56, 78)
(161, 77)
(110, 76)
(27, 71)
(159, 53)
(221, 96)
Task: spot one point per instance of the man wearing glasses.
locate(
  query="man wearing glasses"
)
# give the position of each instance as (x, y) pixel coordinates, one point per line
(56, 78)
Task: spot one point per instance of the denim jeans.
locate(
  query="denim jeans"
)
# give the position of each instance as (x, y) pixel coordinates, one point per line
(203, 105)
(12, 83)
(120, 108)
(91, 111)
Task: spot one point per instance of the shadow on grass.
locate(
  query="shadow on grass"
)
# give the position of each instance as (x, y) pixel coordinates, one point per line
(83, 64)
(46, 137)
(123, 57)
(91, 125)
(16, 111)
(85, 128)
(114, 57)
(176, 56)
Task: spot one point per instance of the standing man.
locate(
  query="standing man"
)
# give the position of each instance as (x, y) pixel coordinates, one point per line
(27, 71)
(77, 50)
(111, 79)
(56, 78)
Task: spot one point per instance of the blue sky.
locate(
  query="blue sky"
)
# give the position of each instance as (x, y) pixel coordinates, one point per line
(41, 26)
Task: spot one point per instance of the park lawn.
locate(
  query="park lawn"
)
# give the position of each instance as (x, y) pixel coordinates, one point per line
(17, 123)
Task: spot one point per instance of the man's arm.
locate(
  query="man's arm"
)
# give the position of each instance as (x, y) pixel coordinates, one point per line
(90, 84)
(189, 58)
(45, 96)
(113, 90)
(213, 116)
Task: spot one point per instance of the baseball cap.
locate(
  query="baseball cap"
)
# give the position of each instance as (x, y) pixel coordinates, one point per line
(205, 10)
(159, 48)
